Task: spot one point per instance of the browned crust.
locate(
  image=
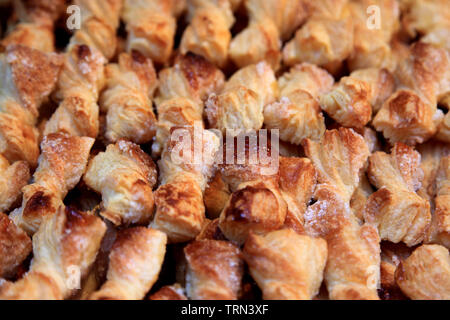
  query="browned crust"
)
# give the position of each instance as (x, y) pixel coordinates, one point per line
(34, 74)
(15, 246)
(215, 264)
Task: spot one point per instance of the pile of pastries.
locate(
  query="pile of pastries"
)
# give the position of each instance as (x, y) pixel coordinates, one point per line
(93, 205)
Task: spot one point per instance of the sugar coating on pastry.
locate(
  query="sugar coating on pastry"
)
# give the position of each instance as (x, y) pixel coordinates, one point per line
(80, 82)
(151, 27)
(29, 77)
(297, 181)
(286, 265)
(208, 31)
(125, 176)
(134, 263)
(62, 162)
(64, 249)
(214, 271)
(225, 149)
(396, 209)
(240, 105)
(130, 85)
(99, 21)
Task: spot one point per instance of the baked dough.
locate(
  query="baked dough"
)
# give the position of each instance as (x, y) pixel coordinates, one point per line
(15, 246)
(126, 100)
(270, 22)
(36, 24)
(396, 209)
(64, 249)
(28, 76)
(208, 33)
(256, 206)
(425, 275)
(134, 264)
(239, 107)
(99, 22)
(61, 164)
(125, 176)
(151, 26)
(352, 270)
(215, 270)
(286, 265)
(79, 85)
(13, 177)
(297, 114)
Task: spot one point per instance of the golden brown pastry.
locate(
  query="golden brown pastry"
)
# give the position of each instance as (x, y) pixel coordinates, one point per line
(125, 176)
(239, 107)
(360, 197)
(425, 275)
(351, 100)
(27, 76)
(242, 162)
(173, 292)
(407, 117)
(307, 77)
(215, 269)
(326, 39)
(175, 112)
(371, 41)
(61, 164)
(352, 270)
(298, 179)
(99, 21)
(13, 177)
(126, 100)
(208, 33)
(256, 206)
(151, 26)
(364, 188)
(79, 85)
(181, 92)
(391, 256)
(190, 77)
(216, 196)
(381, 82)
(396, 209)
(338, 158)
(443, 133)
(134, 264)
(180, 211)
(259, 41)
(440, 225)
(297, 114)
(348, 103)
(410, 115)
(36, 23)
(431, 153)
(286, 265)
(64, 249)
(426, 70)
(15, 246)
(211, 231)
(269, 22)
(438, 37)
(424, 16)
